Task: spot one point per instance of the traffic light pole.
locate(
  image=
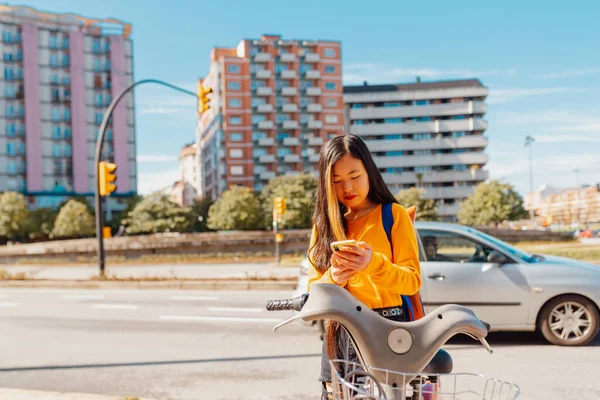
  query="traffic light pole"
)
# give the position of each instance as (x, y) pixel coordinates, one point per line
(276, 230)
(99, 145)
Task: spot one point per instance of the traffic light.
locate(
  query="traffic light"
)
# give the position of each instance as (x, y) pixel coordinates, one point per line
(203, 99)
(107, 177)
(279, 207)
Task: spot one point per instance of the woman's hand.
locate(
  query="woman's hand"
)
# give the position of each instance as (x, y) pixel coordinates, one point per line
(339, 273)
(353, 258)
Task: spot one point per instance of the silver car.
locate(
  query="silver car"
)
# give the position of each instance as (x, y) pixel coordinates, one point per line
(506, 287)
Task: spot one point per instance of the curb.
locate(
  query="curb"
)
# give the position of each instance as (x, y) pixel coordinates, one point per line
(21, 394)
(149, 285)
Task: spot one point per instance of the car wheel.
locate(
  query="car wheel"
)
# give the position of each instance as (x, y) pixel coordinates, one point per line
(569, 321)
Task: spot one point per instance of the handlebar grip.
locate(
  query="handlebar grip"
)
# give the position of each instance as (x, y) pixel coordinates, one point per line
(295, 304)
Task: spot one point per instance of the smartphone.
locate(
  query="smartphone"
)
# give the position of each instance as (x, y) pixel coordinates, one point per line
(337, 246)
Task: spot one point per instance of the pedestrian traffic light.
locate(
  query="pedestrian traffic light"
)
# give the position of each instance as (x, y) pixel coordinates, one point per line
(107, 177)
(279, 206)
(203, 99)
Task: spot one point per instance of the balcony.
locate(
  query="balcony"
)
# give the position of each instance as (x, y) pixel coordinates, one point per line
(420, 127)
(291, 158)
(314, 124)
(437, 159)
(291, 141)
(266, 175)
(289, 91)
(448, 109)
(464, 142)
(312, 74)
(268, 141)
(313, 157)
(263, 74)
(266, 125)
(288, 74)
(287, 57)
(313, 91)
(479, 175)
(312, 57)
(264, 108)
(315, 141)
(264, 91)
(262, 57)
(313, 108)
(289, 108)
(267, 159)
(290, 125)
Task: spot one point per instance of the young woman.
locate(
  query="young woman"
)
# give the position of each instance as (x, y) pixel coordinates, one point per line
(348, 204)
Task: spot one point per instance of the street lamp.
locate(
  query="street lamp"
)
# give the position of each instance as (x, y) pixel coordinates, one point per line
(99, 144)
(528, 143)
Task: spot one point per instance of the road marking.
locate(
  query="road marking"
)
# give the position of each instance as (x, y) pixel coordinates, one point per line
(194, 298)
(83, 296)
(115, 306)
(199, 318)
(9, 304)
(229, 309)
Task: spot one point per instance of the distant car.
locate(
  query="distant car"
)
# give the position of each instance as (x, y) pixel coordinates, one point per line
(506, 287)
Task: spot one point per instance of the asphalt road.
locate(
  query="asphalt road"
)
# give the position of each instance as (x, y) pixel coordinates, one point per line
(220, 345)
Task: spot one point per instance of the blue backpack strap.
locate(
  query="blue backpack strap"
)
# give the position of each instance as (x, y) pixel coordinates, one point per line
(388, 223)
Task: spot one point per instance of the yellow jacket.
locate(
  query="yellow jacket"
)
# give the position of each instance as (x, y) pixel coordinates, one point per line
(384, 280)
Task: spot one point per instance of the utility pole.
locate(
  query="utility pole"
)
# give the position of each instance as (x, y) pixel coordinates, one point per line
(528, 143)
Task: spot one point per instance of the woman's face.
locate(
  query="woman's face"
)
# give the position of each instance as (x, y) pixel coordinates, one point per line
(350, 181)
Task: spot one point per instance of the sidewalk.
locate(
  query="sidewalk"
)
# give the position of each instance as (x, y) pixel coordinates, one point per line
(19, 394)
(255, 276)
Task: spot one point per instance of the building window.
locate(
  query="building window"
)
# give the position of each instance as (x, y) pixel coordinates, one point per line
(283, 151)
(8, 74)
(54, 79)
(393, 120)
(329, 52)
(234, 85)
(66, 80)
(107, 65)
(7, 37)
(459, 134)
(56, 132)
(96, 46)
(53, 42)
(331, 119)
(98, 118)
(236, 153)
(67, 114)
(393, 153)
(421, 102)
(259, 152)
(65, 42)
(67, 150)
(258, 118)
(54, 60)
(281, 136)
(97, 65)
(256, 101)
(422, 169)
(459, 117)
(55, 115)
(236, 137)
(98, 100)
(12, 168)
(235, 120)
(237, 170)
(233, 68)
(56, 150)
(330, 69)
(68, 132)
(330, 86)
(259, 135)
(10, 111)
(423, 152)
(235, 103)
(283, 117)
(422, 136)
(10, 91)
(423, 119)
(331, 102)
(10, 130)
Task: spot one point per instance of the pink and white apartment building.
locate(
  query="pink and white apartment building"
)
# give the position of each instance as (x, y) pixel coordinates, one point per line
(59, 72)
(274, 103)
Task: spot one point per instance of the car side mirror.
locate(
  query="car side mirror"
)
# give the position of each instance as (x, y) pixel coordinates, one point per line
(495, 257)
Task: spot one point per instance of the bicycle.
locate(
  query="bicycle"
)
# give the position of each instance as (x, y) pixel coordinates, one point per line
(398, 360)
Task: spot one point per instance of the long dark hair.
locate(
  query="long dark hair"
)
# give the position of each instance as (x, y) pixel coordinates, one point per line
(328, 217)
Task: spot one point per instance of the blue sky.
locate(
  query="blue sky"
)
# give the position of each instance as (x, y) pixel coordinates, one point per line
(540, 60)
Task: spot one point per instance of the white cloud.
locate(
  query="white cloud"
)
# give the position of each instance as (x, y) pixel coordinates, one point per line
(497, 96)
(162, 100)
(379, 73)
(149, 182)
(572, 73)
(141, 158)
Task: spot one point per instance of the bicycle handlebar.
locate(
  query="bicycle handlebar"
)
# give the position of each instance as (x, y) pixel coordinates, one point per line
(295, 304)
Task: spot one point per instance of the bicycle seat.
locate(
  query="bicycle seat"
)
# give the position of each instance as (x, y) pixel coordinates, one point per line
(441, 363)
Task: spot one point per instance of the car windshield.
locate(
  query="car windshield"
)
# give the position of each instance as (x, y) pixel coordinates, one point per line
(504, 246)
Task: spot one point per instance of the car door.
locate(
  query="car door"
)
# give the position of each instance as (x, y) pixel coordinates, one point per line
(455, 270)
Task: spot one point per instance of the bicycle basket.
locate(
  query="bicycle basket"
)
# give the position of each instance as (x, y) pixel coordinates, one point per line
(352, 381)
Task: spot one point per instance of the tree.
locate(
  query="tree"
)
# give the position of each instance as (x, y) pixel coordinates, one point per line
(41, 223)
(237, 209)
(14, 215)
(426, 208)
(199, 214)
(117, 219)
(156, 214)
(74, 220)
(299, 192)
(492, 203)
